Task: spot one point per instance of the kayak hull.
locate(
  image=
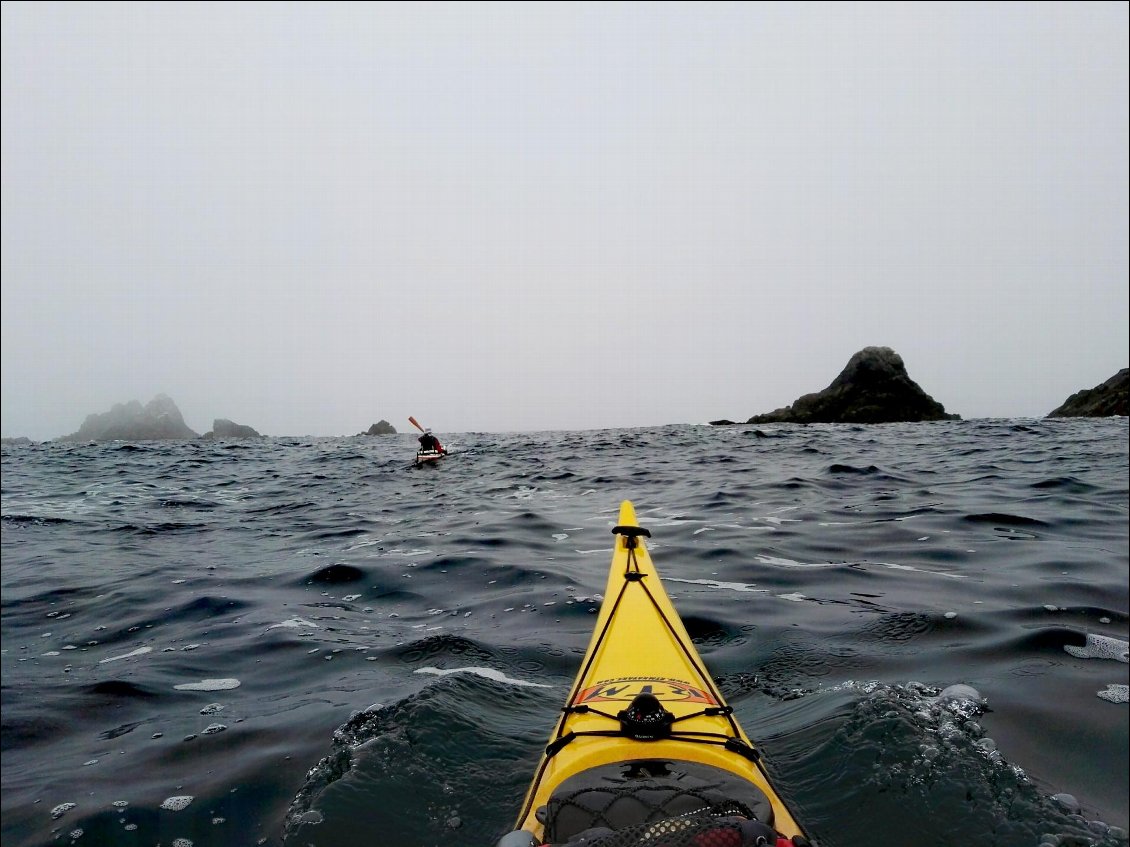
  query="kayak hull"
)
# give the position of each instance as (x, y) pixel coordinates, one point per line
(640, 653)
(427, 457)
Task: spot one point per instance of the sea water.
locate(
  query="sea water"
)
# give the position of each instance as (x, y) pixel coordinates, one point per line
(311, 641)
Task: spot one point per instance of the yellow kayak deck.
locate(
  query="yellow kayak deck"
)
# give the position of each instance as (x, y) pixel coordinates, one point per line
(640, 647)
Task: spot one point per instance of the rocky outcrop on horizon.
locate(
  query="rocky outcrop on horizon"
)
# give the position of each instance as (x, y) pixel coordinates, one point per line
(21, 441)
(1112, 398)
(159, 419)
(381, 427)
(223, 428)
(874, 387)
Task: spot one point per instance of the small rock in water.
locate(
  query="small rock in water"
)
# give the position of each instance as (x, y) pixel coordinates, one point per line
(176, 804)
(61, 810)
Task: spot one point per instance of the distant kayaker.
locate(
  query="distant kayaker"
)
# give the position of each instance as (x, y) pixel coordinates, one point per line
(430, 442)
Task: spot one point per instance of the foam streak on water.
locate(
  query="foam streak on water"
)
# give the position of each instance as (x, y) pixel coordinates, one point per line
(922, 626)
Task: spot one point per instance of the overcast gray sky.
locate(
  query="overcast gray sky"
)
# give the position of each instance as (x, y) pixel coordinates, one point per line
(499, 217)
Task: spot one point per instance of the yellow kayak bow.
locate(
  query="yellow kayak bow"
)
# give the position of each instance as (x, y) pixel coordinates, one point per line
(645, 735)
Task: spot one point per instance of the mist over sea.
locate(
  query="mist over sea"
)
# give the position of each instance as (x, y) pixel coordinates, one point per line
(309, 641)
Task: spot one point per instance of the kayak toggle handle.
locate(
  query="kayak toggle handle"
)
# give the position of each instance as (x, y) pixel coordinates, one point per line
(631, 533)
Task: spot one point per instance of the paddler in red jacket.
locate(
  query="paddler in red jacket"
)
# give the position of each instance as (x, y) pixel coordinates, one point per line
(430, 442)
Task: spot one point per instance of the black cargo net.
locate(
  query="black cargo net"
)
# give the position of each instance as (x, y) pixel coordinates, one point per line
(634, 807)
(701, 830)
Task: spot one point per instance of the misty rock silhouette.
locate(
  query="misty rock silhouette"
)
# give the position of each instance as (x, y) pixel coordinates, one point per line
(381, 427)
(159, 419)
(223, 428)
(874, 387)
(1103, 401)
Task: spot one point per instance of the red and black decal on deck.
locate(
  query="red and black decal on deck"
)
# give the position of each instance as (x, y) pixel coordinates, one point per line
(627, 688)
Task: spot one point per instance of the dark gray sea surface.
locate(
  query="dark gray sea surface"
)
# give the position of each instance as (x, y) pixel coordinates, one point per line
(310, 641)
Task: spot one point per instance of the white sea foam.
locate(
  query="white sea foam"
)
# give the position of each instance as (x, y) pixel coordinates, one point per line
(367, 542)
(958, 692)
(138, 652)
(488, 673)
(713, 583)
(896, 567)
(177, 804)
(1100, 647)
(208, 685)
(294, 623)
(795, 597)
(788, 563)
(1116, 693)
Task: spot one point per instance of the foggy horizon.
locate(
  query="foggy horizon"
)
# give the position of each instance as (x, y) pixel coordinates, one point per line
(306, 218)
(405, 426)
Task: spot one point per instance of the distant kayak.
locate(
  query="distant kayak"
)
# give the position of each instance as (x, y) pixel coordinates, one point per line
(425, 457)
(646, 751)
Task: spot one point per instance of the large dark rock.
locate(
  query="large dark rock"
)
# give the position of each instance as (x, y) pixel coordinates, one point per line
(223, 428)
(1102, 401)
(158, 419)
(381, 427)
(873, 388)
